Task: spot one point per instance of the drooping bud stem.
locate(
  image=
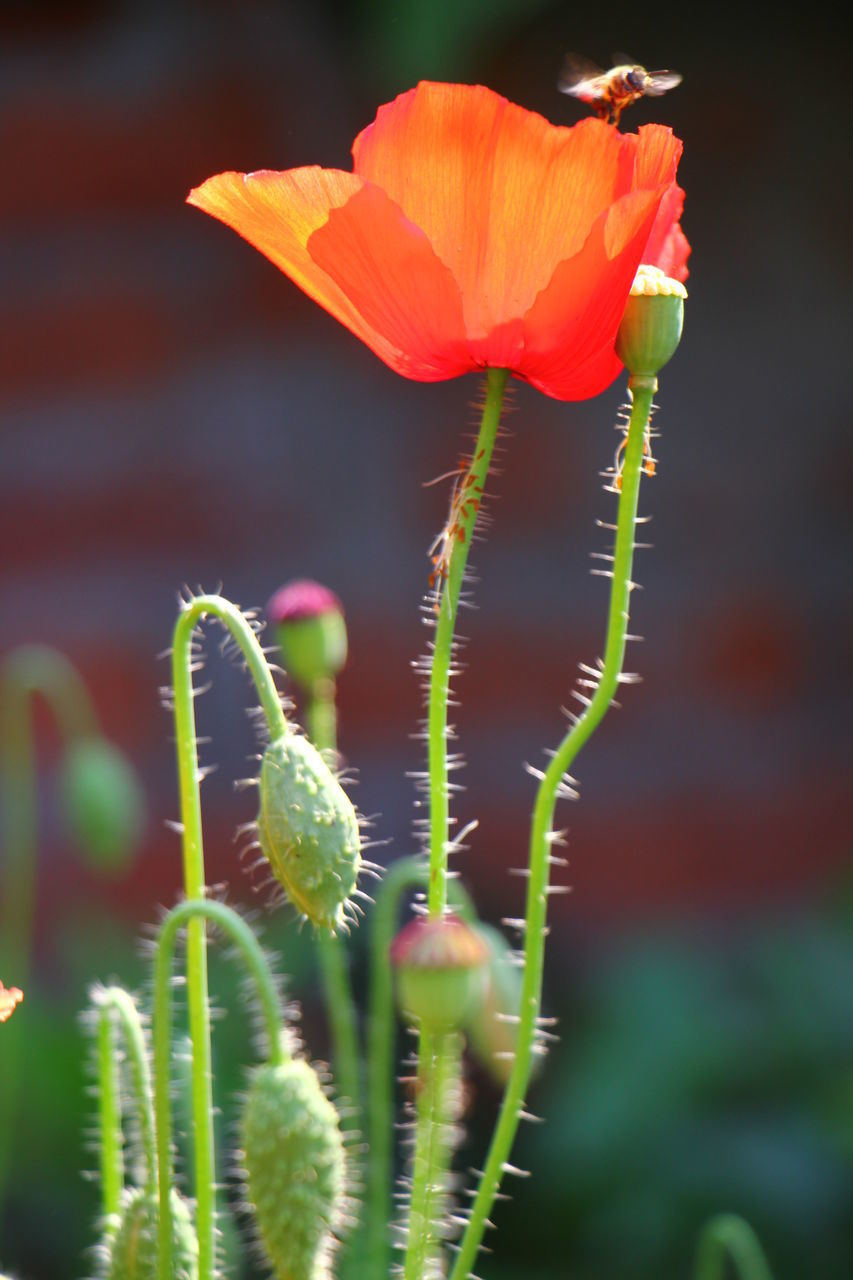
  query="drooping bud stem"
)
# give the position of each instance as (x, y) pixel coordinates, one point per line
(728, 1235)
(30, 672)
(194, 880)
(251, 953)
(114, 1004)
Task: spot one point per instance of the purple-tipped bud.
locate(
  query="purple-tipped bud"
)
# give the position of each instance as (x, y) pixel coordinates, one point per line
(441, 971)
(309, 624)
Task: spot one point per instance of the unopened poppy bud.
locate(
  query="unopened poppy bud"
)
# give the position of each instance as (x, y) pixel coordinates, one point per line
(134, 1247)
(651, 325)
(295, 1168)
(441, 971)
(310, 629)
(308, 830)
(493, 1025)
(103, 801)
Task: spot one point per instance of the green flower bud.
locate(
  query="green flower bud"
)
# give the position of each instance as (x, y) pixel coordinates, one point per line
(295, 1168)
(133, 1249)
(103, 802)
(308, 830)
(311, 632)
(441, 971)
(492, 1026)
(651, 325)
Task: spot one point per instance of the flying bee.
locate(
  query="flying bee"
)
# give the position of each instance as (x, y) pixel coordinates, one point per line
(610, 92)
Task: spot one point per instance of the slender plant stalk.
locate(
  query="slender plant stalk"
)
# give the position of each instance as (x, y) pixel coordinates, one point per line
(256, 964)
(194, 881)
(321, 720)
(30, 670)
(431, 1154)
(512, 1106)
(112, 1003)
(109, 1122)
(729, 1236)
(439, 1062)
(404, 874)
(465, 507)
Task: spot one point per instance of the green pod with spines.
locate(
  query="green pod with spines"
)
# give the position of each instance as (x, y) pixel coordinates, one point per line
(308, 830)
(133, 1247)
(295, 1168)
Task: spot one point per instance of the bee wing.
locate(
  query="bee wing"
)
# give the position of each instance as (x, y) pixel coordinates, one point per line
(576, 73)
(659, 82)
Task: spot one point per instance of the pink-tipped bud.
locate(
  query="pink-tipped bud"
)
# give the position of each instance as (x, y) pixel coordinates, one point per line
(441, 968)
(309, 624)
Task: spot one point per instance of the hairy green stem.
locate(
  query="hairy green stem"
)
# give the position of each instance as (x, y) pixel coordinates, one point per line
(450, 565)
(730, 1236)
(321, 721)
(194, 882)
(109, 1122)
(28, 671)
(255, 961)
(512, 1106)
(402, 875)
(321, 715)
(111, 1003)
(457, 535)
(439, 1059)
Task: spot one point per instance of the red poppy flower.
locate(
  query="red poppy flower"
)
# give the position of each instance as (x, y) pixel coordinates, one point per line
(473, 233)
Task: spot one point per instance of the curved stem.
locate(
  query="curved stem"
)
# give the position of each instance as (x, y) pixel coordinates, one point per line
(457, 534)
(406, 873)
(321, 721)
(730, 1236)
(27, 671)
(109, 1001)
(642, 391)
(194, 883)
(253, 957)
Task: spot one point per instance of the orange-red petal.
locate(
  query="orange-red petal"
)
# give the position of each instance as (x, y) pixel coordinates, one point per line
(388, 270)
(502, 194)
(571, 328)
(668, 247)
(473, 233)
(353, 251)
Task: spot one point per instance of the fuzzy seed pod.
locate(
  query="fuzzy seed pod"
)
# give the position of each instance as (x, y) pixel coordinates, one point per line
(295, 1168)
(441, 971)
(308, 830)
(103, 802)
(651, 326)
(492, 1026)
(133, 1248)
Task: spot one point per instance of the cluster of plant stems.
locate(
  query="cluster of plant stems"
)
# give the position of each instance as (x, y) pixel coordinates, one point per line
(364, 1096)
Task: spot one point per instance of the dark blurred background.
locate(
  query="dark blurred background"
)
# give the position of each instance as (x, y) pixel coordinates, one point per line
(175, 411)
